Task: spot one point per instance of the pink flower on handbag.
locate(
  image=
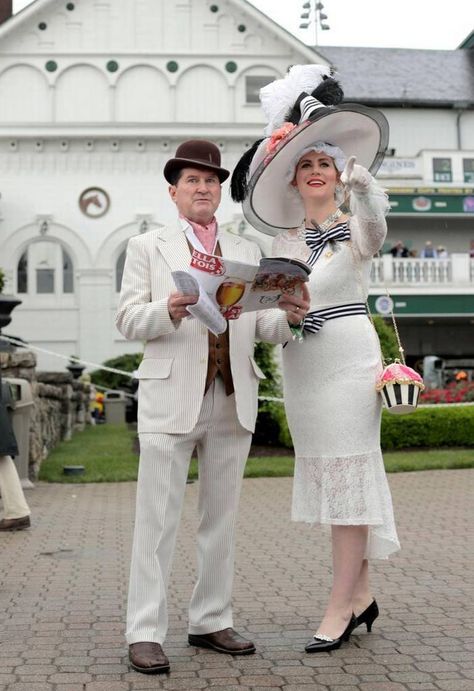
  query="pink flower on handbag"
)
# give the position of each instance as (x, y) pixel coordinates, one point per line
(279, 134)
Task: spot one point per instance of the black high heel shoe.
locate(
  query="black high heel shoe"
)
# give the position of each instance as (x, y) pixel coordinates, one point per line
(322, 643)
(368, 616)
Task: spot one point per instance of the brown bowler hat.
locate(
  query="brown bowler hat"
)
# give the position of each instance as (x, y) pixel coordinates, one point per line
(196, 153)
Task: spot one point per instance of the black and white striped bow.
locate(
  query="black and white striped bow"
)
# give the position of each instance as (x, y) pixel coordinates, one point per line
(314, 321)
(317, 240)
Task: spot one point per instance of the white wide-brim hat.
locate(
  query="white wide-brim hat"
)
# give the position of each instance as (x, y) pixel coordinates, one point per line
(271, 206)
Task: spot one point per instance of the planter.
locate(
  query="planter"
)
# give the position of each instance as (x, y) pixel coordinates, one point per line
(76, 369)
(7, 305)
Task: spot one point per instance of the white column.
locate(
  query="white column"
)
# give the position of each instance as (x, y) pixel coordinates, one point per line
(460, 267)
(96, 327)
(387, 260)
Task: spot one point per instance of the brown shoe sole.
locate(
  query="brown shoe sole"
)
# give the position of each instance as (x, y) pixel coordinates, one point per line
(158, 669)
(198, 642)
(21, 524)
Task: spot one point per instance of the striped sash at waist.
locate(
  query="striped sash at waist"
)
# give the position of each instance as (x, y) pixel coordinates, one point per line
(314, 321)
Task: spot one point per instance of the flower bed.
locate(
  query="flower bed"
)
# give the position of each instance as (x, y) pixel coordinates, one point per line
(455, 392)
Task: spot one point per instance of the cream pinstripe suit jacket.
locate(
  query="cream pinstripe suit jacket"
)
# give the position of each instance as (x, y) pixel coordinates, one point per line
(173, 371)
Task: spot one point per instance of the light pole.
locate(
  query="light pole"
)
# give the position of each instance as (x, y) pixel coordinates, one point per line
(313, 14)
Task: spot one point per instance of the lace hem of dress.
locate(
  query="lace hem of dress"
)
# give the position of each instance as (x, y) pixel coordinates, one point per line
(347, 490)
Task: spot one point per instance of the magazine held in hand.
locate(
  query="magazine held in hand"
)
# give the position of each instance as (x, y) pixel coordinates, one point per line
(227, 288)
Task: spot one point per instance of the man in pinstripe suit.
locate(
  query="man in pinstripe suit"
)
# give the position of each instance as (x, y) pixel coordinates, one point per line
(198, 391)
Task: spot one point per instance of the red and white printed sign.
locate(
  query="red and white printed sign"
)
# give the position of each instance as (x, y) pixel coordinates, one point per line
(208, 263)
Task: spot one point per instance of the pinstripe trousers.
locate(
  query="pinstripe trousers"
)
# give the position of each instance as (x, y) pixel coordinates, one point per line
(222, 446)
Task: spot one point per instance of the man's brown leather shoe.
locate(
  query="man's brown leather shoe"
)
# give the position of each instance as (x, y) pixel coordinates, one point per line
(225, 641)
(148, 658)
(15, 523)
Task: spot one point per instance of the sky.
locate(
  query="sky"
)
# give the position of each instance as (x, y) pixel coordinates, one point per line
(373, 23)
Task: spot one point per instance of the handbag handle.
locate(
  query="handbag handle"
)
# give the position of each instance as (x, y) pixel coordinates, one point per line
(395, 327)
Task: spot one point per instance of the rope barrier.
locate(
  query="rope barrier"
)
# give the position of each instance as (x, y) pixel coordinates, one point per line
(17, 342)
(23, 344)
(95, 365)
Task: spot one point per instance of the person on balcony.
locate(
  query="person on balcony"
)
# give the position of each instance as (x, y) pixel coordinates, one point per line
(399, 250)
(428, 251)
(442, 252)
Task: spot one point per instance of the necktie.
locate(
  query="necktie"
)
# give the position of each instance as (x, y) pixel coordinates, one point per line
(205, 234)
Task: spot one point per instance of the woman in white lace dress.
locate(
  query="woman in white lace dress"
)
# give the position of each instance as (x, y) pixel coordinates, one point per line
(332, 406)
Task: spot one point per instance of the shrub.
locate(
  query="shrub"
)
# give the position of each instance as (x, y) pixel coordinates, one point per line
(110, 380)
(2, 280)
(271, 428)
(387, 338)
(429, 427)
(426, 428)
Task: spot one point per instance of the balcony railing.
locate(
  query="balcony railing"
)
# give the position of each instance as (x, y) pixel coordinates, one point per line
(457, 269)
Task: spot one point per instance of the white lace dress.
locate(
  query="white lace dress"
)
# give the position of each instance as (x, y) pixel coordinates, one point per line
(332, 406)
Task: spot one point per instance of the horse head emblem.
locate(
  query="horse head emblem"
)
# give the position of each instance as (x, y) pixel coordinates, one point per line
(94, 202)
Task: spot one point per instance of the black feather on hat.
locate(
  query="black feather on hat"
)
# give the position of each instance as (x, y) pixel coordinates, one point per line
(239, 179)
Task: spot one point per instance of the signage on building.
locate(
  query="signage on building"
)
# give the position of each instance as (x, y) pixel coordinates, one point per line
(400, 168)
(433, 200)
(425, 305)
(384, 304)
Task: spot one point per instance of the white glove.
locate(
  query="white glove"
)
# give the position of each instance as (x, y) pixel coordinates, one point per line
(356, 178)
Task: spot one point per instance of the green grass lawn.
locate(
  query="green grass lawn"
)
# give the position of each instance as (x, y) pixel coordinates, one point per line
(106, 452)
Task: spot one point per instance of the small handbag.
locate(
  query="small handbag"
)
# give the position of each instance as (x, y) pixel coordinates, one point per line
(399, 384)
(400, 387)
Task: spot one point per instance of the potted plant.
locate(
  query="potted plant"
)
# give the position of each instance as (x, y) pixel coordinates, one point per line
(7, 304)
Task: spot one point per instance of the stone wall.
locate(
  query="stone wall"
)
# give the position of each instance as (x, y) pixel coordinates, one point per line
(60, 409)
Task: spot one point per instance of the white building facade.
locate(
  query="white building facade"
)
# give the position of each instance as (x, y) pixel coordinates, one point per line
(95, 96)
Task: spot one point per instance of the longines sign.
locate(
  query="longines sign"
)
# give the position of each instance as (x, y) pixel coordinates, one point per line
(400, 167)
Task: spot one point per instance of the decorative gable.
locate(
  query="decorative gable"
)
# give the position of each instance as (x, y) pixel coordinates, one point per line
(229, 27)
(140, 61)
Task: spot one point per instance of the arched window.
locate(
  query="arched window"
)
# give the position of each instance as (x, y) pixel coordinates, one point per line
(119, 266)
(45, 268)
(68, 273)
(22, 274)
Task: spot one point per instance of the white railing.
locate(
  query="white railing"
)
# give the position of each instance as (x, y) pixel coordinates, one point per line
(457, 269)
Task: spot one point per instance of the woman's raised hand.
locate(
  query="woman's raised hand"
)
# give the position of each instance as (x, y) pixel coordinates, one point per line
(356, 177)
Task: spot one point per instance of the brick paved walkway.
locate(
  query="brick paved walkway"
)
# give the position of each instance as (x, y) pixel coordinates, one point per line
(63, 588)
